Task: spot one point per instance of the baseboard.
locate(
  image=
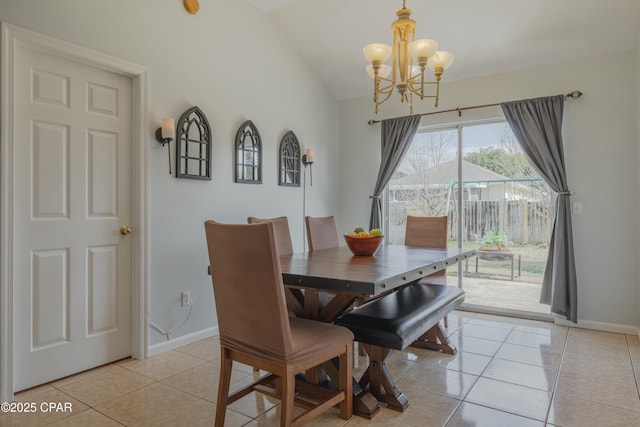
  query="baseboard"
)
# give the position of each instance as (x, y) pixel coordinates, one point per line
(557, 319)
(506, 312)
(174, 343)
(599, 326)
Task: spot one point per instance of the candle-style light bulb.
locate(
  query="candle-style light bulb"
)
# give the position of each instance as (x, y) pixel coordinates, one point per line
(309, 155)
(168, 128)
(307, 159)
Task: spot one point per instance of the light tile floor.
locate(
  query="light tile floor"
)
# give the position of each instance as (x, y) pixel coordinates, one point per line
(507, 372)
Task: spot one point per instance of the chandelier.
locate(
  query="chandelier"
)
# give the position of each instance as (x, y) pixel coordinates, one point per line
(406, 76)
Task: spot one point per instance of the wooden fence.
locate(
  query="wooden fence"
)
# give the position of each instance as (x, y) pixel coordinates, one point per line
(522, 221)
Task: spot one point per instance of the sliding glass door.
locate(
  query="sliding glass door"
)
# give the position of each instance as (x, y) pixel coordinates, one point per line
(422, 184)
(478, 177)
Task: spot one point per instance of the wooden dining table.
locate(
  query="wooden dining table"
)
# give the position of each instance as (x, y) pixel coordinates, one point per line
(323, 284)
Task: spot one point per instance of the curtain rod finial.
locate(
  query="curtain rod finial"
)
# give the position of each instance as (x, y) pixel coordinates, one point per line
(574, 95)
(373, 122)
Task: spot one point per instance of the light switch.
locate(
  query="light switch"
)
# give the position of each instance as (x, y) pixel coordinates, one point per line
(577, 208)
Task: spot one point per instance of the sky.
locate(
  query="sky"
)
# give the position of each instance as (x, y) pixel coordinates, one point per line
(474, 138)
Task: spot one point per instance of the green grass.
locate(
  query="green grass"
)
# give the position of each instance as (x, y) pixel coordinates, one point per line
(534, 260)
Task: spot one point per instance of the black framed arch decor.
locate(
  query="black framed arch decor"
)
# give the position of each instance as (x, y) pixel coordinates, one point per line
(193, 145)
(248, 154)
(289, 164)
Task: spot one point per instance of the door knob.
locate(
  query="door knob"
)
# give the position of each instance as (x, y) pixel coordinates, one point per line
(125, 230)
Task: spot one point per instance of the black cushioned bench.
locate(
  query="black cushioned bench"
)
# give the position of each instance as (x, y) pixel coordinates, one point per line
(407, 317)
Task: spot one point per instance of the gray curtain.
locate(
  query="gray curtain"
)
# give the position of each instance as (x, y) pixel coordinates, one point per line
(397, 135)
(537, 125)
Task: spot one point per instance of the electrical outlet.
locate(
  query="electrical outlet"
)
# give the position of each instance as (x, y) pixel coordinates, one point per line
(185, 298)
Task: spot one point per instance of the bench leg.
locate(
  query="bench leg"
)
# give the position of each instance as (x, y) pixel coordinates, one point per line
(435, 339)
(379, 380)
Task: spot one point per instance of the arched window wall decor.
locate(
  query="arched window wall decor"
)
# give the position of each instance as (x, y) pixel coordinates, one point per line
(193, 145)
(289, 160)
(248, 154)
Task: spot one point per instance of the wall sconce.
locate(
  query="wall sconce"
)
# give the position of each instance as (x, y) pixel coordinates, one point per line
(165, 133)
(307, 159)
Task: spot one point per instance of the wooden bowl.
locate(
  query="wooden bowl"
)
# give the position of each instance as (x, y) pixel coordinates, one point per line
(363, 246)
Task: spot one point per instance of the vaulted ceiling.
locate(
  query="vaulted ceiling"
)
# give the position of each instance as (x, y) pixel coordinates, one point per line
(487, 36)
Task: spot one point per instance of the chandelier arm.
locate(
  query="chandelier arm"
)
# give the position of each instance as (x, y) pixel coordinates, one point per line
(419, 87)
(386, 91)
(391, 84)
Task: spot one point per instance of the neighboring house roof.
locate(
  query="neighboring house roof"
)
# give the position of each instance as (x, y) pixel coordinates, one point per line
(446, 172)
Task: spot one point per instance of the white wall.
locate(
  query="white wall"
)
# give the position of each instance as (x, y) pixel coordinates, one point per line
(231, 62)
(601, 159)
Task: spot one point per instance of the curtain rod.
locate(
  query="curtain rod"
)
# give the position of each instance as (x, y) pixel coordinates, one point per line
(572, 95)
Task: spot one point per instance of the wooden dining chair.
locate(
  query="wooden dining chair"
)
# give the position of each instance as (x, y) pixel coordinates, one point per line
(282, 233)
(428, 232)
(255, 329)
(322, 232)
(285, 247)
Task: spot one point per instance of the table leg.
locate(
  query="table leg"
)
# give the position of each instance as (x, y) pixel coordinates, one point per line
(313, 375)
(364, 403)
(380, 382)
(311, 309)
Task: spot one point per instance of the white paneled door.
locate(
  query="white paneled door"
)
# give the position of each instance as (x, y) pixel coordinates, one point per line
(72, 195)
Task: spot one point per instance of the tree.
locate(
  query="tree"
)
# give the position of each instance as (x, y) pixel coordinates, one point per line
(507, 159)
(428, 150)
(518, 166)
